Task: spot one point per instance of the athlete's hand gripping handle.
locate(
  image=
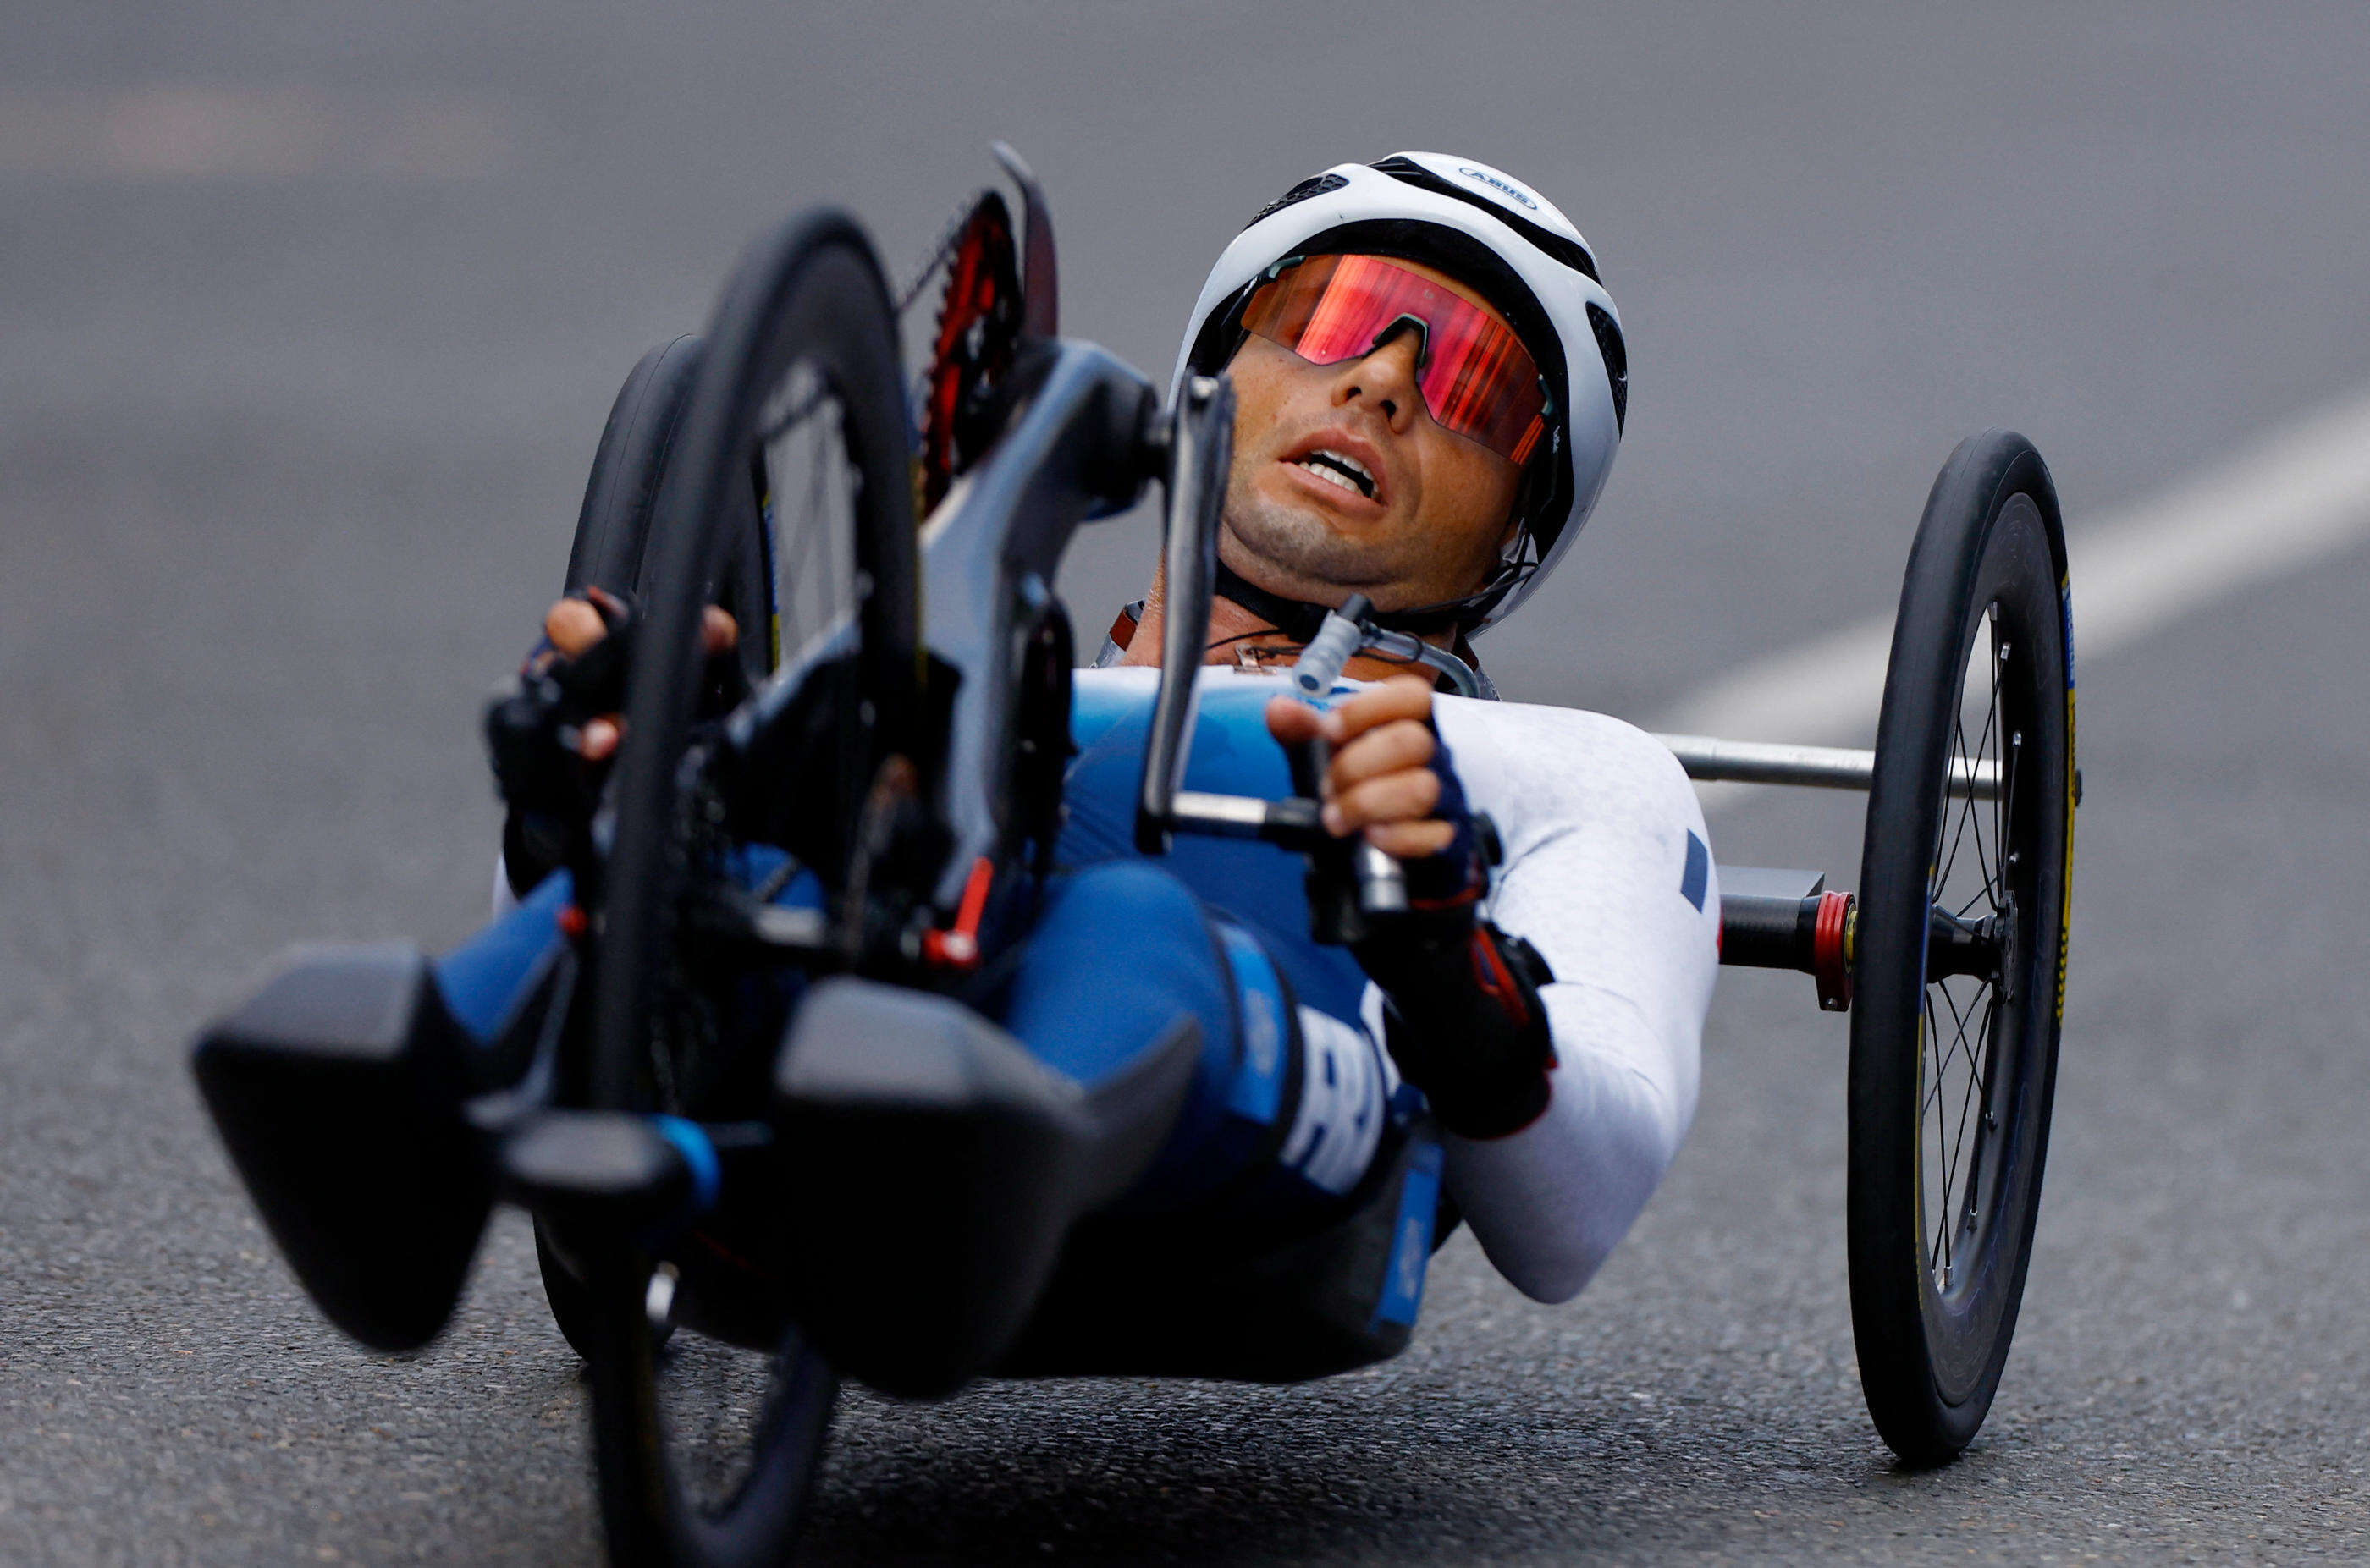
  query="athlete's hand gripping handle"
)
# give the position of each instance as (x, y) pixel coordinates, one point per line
(1352, 883)
(1464, 1016)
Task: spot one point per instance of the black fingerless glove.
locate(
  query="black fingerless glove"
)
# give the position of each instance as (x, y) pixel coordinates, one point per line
(550, 790)
(1462, 1013)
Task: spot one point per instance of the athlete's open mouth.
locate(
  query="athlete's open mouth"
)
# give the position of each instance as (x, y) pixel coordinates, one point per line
(1339, 468)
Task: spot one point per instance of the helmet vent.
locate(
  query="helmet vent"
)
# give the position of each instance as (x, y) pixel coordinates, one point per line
(1316, 185)
(1616, 362)
(1546, 240)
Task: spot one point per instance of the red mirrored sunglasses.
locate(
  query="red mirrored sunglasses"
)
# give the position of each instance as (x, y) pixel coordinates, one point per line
(1475, 378)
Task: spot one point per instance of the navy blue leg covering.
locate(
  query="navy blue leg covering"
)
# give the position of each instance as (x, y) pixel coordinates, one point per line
(1121, 951)
(1120, 954)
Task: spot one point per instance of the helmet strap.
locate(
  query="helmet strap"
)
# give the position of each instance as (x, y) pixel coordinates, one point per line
(1299, 620)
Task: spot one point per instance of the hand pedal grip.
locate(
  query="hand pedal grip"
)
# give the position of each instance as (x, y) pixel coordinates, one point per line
(1382, 881)
(338, 1090)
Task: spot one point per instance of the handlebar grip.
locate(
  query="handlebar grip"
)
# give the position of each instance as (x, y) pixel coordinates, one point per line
(1382, 882)
(1309, 759)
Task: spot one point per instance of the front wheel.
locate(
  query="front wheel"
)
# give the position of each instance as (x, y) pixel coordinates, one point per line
(1958, 949)
(796, 420)
(705, 1454)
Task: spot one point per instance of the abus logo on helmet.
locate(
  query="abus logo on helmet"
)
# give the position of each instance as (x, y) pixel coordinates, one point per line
(1491, 180)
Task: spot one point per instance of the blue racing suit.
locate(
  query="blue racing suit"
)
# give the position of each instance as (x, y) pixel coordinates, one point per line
(1606, 873)
(1216, 930)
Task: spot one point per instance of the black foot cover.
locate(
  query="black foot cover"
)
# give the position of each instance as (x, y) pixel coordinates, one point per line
(932, 1168)
(338, 1089)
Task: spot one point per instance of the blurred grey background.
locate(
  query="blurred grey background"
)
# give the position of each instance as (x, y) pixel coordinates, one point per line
(309, 315)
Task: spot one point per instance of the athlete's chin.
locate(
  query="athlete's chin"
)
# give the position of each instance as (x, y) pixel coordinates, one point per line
(1306, 551)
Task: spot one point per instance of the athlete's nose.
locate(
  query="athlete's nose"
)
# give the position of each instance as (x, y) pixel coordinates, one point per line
(1386, 378)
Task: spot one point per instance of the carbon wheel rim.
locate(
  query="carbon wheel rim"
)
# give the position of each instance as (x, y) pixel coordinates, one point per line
(1980, 1045)
(741, 1421)
(786, 502)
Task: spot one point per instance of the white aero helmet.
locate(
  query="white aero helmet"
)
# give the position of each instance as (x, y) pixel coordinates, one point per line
(1511, 245)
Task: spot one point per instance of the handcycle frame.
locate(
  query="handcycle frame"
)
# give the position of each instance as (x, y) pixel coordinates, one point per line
(376, 1119)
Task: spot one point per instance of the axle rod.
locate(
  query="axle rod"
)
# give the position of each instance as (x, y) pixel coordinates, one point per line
(1707, 760)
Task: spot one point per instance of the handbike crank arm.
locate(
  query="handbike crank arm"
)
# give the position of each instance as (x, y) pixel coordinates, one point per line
(1708, 761)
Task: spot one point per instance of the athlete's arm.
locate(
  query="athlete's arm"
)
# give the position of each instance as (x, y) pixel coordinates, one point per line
(1464, 1021)
(1609, 875)
(1557, 1031)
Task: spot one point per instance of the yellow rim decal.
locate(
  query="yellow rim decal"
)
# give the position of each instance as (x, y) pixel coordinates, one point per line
(2065, 875)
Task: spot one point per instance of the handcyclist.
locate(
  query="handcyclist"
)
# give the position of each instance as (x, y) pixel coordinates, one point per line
(1430, 384)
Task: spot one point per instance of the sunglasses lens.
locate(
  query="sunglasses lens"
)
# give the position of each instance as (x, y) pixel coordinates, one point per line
(1475, 378)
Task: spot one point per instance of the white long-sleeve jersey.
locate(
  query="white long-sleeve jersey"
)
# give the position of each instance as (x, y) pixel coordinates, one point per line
(1608, 873)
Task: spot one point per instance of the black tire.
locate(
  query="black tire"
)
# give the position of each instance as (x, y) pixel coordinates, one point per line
(614, 526)
(1936, 1276)
(646, 1513)
(613, 531)
(804, 340)
(572, 1306)
(573, 1309)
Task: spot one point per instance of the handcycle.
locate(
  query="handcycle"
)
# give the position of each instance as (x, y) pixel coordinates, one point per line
(802, 872)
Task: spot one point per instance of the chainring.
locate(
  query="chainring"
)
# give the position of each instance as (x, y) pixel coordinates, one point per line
(978, 336)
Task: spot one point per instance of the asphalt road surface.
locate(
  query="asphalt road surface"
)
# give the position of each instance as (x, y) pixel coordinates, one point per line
(308, 318)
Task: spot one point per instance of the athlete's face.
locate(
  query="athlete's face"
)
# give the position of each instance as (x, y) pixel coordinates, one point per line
(1423, 523)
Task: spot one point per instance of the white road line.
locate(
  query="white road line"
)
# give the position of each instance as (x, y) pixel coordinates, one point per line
(2294, 497)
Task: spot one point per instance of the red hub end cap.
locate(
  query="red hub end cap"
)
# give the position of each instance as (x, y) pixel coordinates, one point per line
(1830, 952)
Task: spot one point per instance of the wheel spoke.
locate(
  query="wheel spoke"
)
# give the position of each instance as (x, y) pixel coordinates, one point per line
(1968, 877)
(1960, 1156)
(1989, 752)
(1982, 890)
(1979, 1080)
(1972, 809)
(1938, 1255)
(2000, 815)
(811, 481)
(1950, 1139)
(1957, 1158)
(1958, 1019)
(1941, 878)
